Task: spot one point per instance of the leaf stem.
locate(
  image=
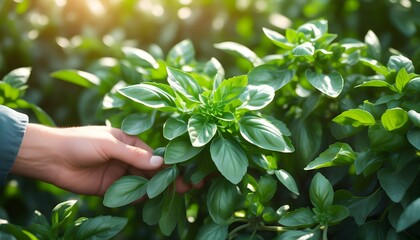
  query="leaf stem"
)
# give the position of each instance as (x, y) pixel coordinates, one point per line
(324, 233)
(239, 228)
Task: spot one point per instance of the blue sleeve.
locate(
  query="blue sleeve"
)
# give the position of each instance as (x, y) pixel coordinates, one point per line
(12, 128)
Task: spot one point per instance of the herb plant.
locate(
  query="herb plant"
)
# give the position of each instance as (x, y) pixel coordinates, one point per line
(318, 139)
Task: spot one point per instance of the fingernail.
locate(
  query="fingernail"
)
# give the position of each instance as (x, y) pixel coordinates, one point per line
(156, 160)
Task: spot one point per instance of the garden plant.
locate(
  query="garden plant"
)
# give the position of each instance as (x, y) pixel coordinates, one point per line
(316, 138)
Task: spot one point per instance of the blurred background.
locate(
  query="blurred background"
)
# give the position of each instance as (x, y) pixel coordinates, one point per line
(50, 35)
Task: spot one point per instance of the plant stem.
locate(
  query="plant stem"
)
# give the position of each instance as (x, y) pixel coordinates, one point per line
(273, 228)
(324, 233)
(234, 231)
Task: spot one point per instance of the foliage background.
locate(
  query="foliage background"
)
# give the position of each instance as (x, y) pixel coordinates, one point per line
(49, 35)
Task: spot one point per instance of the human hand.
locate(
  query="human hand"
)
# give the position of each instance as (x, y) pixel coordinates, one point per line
(85, 160)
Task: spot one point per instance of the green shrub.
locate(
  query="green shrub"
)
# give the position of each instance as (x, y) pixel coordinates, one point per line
(325, 106)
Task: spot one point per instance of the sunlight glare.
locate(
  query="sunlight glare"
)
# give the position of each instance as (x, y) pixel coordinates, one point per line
(60, 3)
(280, 21)
(184, 13)
(185, 2)
(96, 7)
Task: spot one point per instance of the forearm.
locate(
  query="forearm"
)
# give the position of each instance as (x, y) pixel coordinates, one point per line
(37, 154)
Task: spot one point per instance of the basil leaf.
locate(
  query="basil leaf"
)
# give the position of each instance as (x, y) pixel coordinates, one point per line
(270, 74)
(230, 158)
(153, 95)
(101, 227)
(321, 192)
(355, 117)
(124, 191)
(184, 83)
(159, 182)
(180, 150)
(140, 57)
(174, 127)
(330, 84)
(137, 123)
(201, 130)
(336, 154)
(222, 200)
(256, 97)
(264, 134)
(287, 180)
(213, 231)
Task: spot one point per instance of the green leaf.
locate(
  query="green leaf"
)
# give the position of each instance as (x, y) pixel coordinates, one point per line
(40, 114)
(174, 127)
(180, 150)
(375, 65)
(307, 136)
(161, 180)
(230, 89)
(336, 154)
(414, 117)
(213, 231)
(321, 192)
(264, 134)
(241, 51)
(81, 78)
(184, 83)
(398, 62)
(140, 57)
(181, 54)
(414, 84)
(377, 83)
(409, 216)
(256, 97)
(101, 227)
(153, 95)
(383, 140)
(402, 79)
(314, 29)
(230, 158)
(222, 200)
(359, 207)
(337, 213)
(394, 118)
(173, 207)
(270, 74)
(152, 210)
(14, 232)
(413, 137)
(124, 191)
(62, 212)
(304, 49)
(266, 188)
(306, 234)
(302, 217)
(330, 84)
(368, 162)
(201, 130)
(287, 180)
(355, 117)
(214, 69)
(373, 44)
(18, 77)
(278, 39)
(395, 183)
(137, 123)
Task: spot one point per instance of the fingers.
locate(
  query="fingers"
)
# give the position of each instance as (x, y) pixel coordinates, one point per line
(134, 152)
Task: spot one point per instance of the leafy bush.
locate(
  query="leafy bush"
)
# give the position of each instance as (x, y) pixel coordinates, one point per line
(315, 103)
(343, 110)
(63, 225)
